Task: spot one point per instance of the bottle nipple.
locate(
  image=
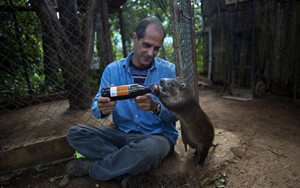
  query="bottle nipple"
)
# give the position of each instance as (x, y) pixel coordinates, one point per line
(155, 88)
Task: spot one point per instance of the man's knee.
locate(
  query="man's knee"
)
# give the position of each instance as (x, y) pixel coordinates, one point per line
(158, 146)
(77, 131)
(73, 130)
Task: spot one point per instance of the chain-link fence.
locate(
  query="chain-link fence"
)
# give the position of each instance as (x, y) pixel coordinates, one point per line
(184, 42)
(53, 53)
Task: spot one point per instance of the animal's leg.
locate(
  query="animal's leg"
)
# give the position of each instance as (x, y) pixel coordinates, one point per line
(184, 137)
(202, 153)
(200, 162)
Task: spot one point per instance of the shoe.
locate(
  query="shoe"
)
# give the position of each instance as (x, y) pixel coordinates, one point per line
(78, 167)
(132, 181)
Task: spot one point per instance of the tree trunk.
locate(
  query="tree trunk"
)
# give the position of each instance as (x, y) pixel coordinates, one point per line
(104, 45)
(70, 49)
(101, 52)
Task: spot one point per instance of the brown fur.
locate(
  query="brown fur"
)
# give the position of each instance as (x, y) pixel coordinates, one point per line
(196, 129)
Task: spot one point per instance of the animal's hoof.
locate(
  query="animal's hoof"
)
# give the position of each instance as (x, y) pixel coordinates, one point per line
(194, 154)
(200, 163)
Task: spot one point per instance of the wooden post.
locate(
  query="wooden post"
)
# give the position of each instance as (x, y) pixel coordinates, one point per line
(194, 57)
(107, 39)
(176, 37)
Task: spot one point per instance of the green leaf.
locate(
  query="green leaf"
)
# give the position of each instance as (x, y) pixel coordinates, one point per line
(205, 181)
(216, 177)
(222, 180)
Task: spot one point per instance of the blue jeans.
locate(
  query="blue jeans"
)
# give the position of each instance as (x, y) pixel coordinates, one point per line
(117, 154)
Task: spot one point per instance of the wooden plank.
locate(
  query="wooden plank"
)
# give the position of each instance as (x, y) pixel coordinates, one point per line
(38, 153)
(238, 98)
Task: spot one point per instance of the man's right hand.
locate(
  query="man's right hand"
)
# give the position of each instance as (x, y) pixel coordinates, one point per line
(105, 105)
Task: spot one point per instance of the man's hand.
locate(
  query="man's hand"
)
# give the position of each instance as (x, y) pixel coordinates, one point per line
(105, 105)
(146, 102)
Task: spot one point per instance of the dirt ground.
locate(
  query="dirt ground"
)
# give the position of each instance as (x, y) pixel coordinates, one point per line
(259, 146)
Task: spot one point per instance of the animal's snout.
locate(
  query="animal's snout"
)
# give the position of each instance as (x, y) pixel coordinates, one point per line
(162, 82)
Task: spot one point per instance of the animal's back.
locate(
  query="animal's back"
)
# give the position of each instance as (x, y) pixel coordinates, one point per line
(196, 128)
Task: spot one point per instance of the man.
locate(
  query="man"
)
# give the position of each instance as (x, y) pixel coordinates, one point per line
(145, 131)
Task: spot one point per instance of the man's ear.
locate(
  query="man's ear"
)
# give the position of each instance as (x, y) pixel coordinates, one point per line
(135, 38)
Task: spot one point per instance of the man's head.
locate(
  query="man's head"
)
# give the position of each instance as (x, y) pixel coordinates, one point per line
(147, 38)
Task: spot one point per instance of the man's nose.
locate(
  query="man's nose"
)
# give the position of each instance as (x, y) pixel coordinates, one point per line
(150, 52)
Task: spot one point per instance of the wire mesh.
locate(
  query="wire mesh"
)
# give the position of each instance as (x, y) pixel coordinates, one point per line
(185, 43)
(53, 54)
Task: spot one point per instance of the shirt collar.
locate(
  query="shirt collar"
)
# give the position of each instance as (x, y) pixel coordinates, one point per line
(128, 58)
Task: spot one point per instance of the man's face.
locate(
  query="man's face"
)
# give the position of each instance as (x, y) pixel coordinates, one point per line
(146, 48)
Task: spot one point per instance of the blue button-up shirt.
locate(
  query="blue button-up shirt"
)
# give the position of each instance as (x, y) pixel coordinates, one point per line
(126, 115)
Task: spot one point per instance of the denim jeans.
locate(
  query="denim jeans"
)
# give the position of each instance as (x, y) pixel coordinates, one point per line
(117, 154)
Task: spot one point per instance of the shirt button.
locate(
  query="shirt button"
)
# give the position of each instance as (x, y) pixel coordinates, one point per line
(135, 115)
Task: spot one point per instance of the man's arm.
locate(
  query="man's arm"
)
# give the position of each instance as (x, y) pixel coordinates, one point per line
(102, 106)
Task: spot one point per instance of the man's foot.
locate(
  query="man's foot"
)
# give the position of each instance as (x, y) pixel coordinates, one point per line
(78, 167)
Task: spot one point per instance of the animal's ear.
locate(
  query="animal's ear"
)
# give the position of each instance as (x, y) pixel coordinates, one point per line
(182, 85)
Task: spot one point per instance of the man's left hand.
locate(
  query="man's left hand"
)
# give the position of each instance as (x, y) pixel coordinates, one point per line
(146, 102)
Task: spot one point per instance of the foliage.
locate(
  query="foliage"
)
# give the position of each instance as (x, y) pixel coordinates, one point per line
(219, 180)
(94, 78)
(22, 55)
(116, 36)
(199, 39)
